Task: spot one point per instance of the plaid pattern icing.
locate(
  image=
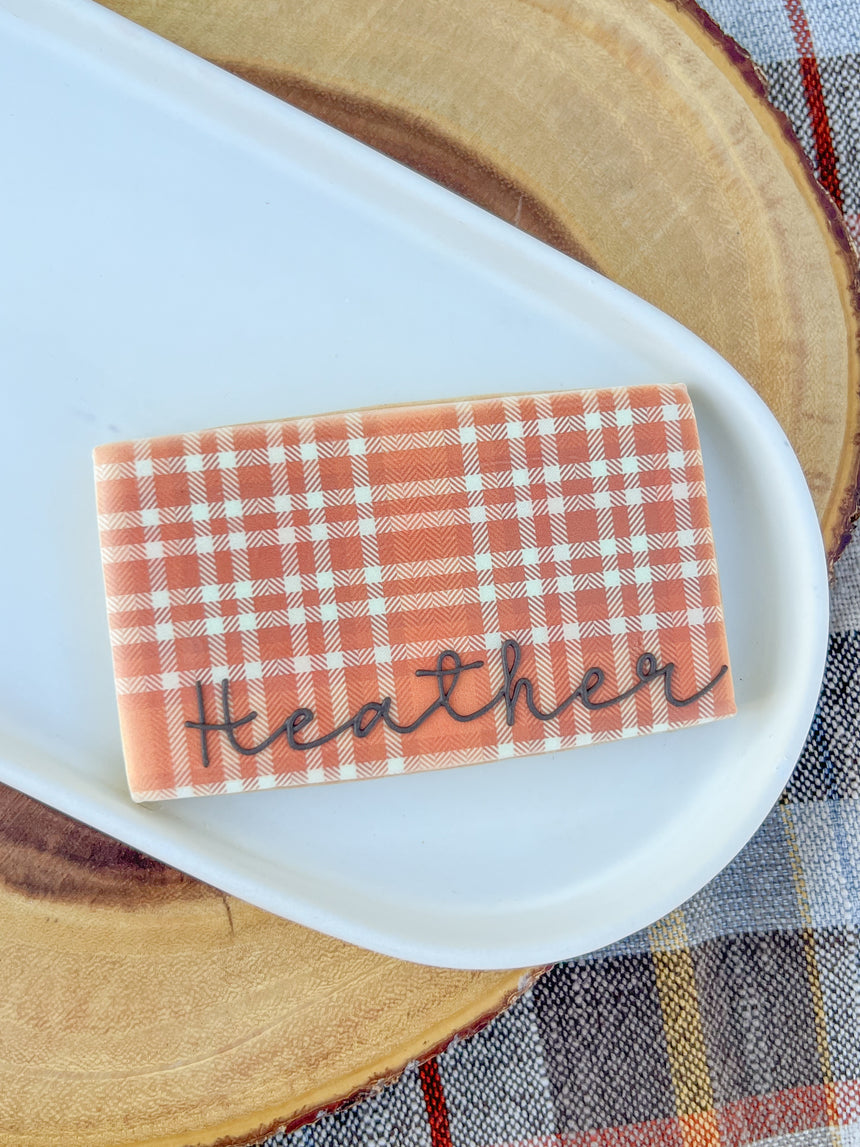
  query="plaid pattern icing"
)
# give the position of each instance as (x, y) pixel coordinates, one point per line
(320, 566)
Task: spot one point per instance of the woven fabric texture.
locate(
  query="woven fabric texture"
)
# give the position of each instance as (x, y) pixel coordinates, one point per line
(737, 1019)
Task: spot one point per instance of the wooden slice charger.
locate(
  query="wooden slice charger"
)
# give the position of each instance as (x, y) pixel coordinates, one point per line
(141, 1007)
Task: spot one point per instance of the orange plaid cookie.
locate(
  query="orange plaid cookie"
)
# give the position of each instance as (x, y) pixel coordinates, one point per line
(356, 595)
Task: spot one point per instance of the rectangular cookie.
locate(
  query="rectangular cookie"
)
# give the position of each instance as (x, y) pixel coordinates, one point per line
(407, 588)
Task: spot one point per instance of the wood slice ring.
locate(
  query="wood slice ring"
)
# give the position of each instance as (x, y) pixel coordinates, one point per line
(142, 1007)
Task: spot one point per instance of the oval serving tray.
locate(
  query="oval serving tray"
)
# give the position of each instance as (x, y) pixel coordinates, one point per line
(203, 254)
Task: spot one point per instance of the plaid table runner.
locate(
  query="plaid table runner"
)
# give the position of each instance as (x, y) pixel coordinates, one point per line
(737, 1018)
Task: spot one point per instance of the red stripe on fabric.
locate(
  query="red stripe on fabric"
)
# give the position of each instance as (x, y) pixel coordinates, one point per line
(434, 1101)
(812, 86)
(655, 1133)
(779, 1113)
(748, 1120)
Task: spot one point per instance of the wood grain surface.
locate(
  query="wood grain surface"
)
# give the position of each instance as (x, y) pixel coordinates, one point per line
(141, 1007)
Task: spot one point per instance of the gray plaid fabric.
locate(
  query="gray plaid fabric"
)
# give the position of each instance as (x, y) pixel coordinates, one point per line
(737, 1020)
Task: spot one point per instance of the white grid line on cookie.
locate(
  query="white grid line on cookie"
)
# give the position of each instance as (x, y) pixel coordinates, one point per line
(380, 494)
(691, 585)
(249, 642)
(157, 572)
(562, 584)
(483, 567)
(565, 582)
(293, 666)
(528, 543)
(606, 531)
(650, 571)
(213, 629)
(602, 499)
(560, 554)
(374, 444)
(289, 584)
(370, 556)
(346, 766)
(451, 759)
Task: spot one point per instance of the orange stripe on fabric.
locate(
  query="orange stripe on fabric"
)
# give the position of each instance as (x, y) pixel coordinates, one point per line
(682, 1027)
(748, 1120)
(780, 1113)
(654, 1133)
(812, 971)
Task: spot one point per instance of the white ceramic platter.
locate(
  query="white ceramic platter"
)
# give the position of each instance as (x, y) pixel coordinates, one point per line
(180, 251)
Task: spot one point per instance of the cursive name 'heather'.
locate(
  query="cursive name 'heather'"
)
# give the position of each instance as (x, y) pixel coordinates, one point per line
(448, 671)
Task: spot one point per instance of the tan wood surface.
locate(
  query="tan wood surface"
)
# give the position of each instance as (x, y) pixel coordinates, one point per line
(140, 1007)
